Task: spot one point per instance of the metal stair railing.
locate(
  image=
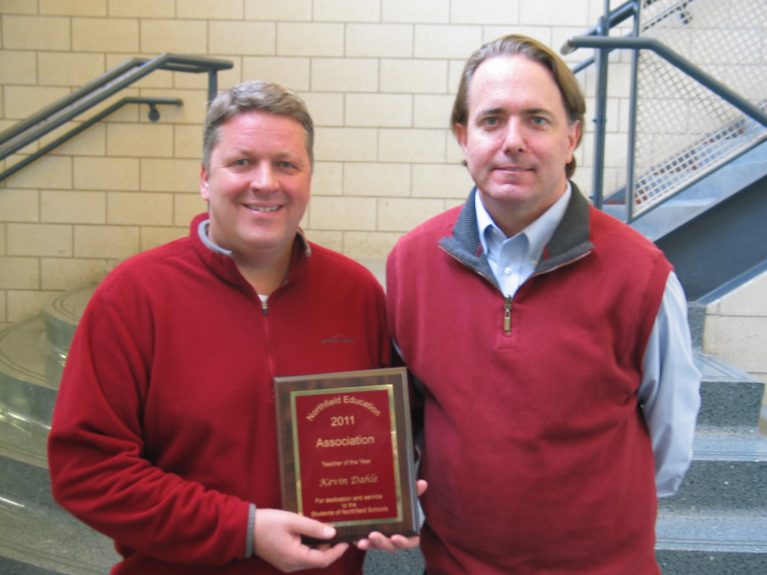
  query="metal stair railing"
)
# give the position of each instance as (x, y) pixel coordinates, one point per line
(612, 19)
(154, 115)
(86, 97)
(639, 202)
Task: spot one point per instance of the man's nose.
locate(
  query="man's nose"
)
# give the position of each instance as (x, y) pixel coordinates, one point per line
(263, 178)
(515, 137)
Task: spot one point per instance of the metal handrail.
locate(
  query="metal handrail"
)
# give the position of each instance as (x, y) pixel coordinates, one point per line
(613, 18)
(154, 115)
(676, 60)
(103, 87)
(604, 43)
(629, 9)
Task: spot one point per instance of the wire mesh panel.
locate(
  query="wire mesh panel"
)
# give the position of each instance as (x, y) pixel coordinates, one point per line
(685, 131)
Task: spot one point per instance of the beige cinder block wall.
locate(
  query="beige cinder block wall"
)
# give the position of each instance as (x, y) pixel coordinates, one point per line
(378, 76)
(736, 328)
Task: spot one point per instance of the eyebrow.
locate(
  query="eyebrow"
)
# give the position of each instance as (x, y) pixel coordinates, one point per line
(537, 111)
(526, 111)
(491, 112)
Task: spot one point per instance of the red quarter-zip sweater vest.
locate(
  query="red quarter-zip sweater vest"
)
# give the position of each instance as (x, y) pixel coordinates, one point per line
(536, 453)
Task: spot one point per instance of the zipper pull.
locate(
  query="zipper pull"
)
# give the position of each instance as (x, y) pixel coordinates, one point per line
(507, 315)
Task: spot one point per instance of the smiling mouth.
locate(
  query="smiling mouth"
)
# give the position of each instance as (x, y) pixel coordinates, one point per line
(263, 209)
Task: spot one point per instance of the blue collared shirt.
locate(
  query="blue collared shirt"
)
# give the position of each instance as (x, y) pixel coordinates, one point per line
(669, 392)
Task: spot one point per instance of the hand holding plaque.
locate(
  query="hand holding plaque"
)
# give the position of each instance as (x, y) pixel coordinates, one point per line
(345, 446)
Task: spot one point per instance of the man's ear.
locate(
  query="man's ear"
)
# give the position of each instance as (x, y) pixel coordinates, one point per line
(573, 137)
(460, 133)
(204, 191)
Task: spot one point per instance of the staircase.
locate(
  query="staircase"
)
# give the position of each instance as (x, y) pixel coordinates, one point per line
(712, 232)
(696, 167)
(716, 524)
(36, 536)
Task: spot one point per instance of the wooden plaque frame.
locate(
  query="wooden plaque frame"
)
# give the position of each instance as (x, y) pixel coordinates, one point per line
(346, 451)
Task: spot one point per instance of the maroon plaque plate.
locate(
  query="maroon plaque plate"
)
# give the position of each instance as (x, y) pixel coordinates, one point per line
(346, 453)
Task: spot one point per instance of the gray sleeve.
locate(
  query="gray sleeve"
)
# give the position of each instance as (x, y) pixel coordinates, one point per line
(249, 551)
(670, 390)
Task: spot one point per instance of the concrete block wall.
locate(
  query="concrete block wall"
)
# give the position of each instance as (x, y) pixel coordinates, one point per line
(736, 329)
(378, 76)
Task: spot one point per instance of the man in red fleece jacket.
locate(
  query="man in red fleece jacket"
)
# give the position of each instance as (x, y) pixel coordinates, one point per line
(550, 341)
(164, 431)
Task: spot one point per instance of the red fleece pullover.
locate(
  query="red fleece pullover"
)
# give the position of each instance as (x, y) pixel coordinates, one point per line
(164, 428)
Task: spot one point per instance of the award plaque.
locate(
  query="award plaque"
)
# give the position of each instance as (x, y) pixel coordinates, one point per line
(346, 453)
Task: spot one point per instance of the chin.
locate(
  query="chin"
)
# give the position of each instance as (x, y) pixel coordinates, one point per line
(509, 191)
(269, 243)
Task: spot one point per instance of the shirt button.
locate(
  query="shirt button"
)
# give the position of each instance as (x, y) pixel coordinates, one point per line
(507, 271)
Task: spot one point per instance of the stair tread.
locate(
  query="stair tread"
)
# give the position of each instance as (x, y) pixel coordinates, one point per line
(730, 396)
(722, 532)
(23, 438)
(730, 444)
(714, 368)
(52, 539)
(69, 306)
(715, 187)
(62, 316)
(20, 354)
(34, 529)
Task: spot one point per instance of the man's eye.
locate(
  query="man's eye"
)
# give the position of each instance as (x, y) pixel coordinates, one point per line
(241, 162)
(539, 121)
(285, 165)
(491, 121)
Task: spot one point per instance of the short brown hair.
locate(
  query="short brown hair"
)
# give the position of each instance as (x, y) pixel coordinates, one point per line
(518, 45)
(253, 96)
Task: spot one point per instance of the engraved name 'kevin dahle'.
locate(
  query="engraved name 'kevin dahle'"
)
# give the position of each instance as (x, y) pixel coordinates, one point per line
(346, 441)
(353, 480)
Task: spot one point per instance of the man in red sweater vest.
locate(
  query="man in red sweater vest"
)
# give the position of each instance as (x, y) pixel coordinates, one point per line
(549, 341)
(164, 431)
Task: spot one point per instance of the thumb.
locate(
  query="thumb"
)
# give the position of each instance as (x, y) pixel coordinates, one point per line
(314, 529)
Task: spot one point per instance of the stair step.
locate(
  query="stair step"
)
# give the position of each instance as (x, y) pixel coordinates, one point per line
(733, 444)
(715, 187)
(728, 471)
(32, 355)
(18, 568)
(22, 355)
(406, 562)
(61, 317)
(23, 439)
(730, 397)
(35, 531)
(726, 543)
(29, 371)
